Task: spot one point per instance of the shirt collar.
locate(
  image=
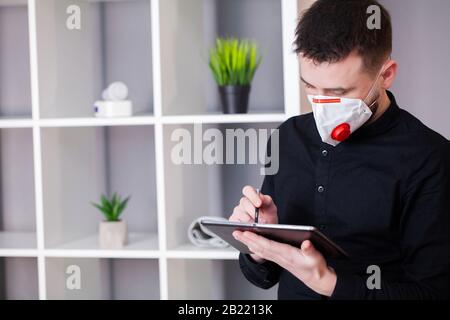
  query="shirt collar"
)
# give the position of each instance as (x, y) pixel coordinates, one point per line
(383, 123)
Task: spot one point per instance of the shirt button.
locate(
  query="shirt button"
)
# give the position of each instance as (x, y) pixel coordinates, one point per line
(324, 153)
(320, 189)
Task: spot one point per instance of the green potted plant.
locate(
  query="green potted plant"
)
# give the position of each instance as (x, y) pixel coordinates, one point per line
(233, 63)
(113, 232)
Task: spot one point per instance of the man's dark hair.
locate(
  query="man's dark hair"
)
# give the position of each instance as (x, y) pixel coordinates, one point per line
(331, 29)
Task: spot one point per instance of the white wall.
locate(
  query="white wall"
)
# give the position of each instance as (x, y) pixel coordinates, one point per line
(421, 45)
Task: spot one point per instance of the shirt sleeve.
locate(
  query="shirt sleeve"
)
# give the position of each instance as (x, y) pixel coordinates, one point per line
(264, 275)
(424, 237)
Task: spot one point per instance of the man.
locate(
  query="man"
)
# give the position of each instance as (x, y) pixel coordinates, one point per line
(364, 171)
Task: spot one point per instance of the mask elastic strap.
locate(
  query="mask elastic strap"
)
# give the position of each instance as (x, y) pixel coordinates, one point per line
(373, 84)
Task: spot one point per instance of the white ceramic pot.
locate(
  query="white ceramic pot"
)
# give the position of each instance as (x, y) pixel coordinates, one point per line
(113, 234)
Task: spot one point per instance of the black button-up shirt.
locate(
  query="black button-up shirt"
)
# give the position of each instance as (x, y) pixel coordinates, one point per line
(383, 195)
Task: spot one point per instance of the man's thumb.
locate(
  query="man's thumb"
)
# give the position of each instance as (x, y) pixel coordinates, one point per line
(308, 248)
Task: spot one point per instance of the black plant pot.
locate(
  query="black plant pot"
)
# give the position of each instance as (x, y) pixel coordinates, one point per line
(234, 99)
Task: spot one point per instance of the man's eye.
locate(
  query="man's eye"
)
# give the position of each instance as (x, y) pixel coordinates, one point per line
(308, 86)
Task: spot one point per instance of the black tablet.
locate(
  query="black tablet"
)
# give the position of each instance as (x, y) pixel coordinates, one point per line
(290, 234)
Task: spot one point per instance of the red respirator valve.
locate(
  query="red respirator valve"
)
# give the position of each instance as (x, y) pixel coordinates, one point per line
(341, 132)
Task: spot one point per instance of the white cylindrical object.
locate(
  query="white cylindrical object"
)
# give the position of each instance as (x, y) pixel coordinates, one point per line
(110, 109)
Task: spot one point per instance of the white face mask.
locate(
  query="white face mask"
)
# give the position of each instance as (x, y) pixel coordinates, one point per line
(336, 118)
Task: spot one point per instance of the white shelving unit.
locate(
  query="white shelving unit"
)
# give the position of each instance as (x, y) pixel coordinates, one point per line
(55, 157)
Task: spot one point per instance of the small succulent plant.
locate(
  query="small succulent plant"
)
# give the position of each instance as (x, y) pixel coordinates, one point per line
(111, 207)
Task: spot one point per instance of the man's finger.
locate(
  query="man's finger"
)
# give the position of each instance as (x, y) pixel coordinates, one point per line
(236, 233)
(269, 249)
(251, 194)
(242, 215)
(248, 206)
(267, 200)
(239, 235)
(308, 249)
(306, 245)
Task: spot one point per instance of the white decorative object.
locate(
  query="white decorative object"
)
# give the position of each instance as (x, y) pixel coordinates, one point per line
(110, 109)
(113, 234)
(114, 103)
(116, 91)
(202, 237)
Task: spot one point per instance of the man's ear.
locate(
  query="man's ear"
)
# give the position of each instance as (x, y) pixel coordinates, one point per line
(389, 74)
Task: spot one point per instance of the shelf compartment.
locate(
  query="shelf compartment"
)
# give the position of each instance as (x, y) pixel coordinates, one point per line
(188, 30)
(75, 65)
(81, 163)
(202, 189)
(15, 90)
(212, 280)
(102, 279)
(17, 190)
(19, 279)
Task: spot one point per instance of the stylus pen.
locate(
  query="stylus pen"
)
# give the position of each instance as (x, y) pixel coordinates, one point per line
(257, 209)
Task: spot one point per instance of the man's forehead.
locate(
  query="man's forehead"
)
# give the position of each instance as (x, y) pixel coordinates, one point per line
(345, 73)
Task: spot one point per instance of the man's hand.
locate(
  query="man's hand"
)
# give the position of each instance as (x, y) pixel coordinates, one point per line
(245, 210)
(305, 263)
